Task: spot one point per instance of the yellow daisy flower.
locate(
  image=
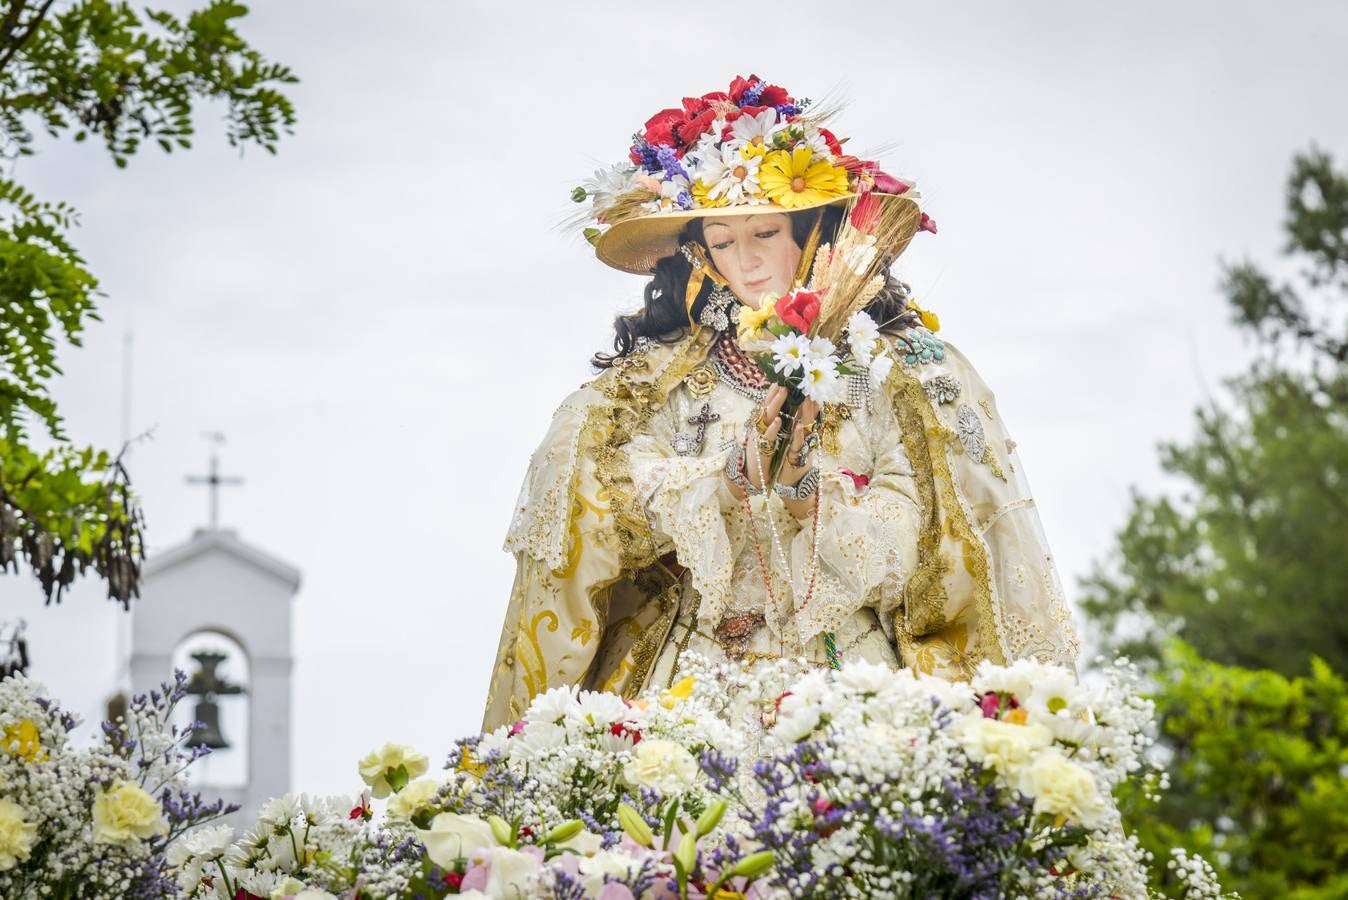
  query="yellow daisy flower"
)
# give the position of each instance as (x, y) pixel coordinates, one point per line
(793, 178)
(699, 191)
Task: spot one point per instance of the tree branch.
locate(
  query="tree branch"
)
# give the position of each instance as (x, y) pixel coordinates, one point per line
(28, 31)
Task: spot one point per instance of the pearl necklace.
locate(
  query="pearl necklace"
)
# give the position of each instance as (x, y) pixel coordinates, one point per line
(778, 546)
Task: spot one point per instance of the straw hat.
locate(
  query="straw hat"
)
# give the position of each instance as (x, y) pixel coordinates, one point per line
(635, 245)
(750, 150)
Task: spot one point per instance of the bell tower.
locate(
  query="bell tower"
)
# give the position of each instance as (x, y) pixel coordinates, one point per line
(220, 609)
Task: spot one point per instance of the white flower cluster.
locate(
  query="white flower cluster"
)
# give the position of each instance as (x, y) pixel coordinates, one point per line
(893, 740)
(300, 846)
(816, 362)
(583, 751)
(91, 822)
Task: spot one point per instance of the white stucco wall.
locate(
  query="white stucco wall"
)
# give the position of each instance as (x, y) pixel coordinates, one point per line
(215, 582)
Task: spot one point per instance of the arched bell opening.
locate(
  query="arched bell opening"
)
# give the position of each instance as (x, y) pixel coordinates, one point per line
(218, 703)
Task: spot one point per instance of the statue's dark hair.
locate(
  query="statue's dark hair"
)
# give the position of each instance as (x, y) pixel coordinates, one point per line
(662, 317)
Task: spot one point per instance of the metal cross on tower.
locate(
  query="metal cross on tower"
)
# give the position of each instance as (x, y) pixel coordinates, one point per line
(214, 479)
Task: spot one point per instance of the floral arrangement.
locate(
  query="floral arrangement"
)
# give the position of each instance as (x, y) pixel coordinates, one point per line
(749, 145)
(783, 782)
(96, 822)
(861, 782)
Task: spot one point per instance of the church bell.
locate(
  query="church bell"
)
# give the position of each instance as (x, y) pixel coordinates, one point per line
(207, 733)
(207, 684)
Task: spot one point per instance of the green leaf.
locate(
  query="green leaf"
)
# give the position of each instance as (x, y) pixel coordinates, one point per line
(397, 778)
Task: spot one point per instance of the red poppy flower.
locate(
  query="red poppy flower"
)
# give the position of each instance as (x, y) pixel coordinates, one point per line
(662, 127)
(799, 309)
(692, 129)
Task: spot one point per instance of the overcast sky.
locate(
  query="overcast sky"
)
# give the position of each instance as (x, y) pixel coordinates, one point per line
(382, 317)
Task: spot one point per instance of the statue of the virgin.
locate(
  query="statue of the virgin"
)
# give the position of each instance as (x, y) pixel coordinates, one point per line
(715, 491)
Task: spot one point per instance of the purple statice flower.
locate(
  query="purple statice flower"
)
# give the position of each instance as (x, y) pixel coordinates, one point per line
(669, 162)
(971, 847)
(648, 154)
(683, 200)
(719, 768)
(564, 887)
(752, 94)
(787, 109)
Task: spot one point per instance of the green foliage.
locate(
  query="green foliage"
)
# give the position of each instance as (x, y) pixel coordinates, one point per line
(1246, 562)
(102, 69)
(1258, 772)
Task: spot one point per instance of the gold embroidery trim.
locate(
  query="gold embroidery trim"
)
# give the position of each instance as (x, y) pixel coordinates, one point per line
(925, 593)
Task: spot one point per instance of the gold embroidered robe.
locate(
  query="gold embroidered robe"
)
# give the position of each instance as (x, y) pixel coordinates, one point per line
(593, 604)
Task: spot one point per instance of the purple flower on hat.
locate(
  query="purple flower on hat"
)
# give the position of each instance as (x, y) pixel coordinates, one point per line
(670, 162)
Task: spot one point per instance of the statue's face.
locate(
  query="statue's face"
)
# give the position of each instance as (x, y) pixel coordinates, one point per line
(755, 253)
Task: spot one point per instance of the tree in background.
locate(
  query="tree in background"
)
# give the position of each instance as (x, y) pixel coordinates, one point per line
(1256, 775)
(92, 69)
(1248, 564)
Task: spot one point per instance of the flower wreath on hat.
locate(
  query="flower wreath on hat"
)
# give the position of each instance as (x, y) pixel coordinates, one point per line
(724, 153)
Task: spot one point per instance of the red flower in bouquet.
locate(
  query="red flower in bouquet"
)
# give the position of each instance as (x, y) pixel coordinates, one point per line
(799, 309)
(625, 730)
(768, 94)
(834, 145)
(692, 129)
(888, 184)
(662, 127)
(865, 212)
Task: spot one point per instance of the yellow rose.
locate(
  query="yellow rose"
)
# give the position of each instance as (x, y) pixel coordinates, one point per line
(17, 834)
(389, 769)
(1063, 789)
(411, 798)
(752, 320)
(22, 740)
(125, 814)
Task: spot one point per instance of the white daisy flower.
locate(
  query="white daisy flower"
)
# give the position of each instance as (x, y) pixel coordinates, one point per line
(789, 353)
(703, 159)
(880, 367)
(738, 179)
(819, 380)
(818, 146)
(759, 128)
(821, 348)
(862, 337)
(606, 184)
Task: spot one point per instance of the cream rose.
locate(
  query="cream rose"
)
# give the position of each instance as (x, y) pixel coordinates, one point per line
(406, 802)
(124, 814)
(453, 837)
(663, 765)
(1061, 787)
(378, 765)
(17, 834)
(1004, 746)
